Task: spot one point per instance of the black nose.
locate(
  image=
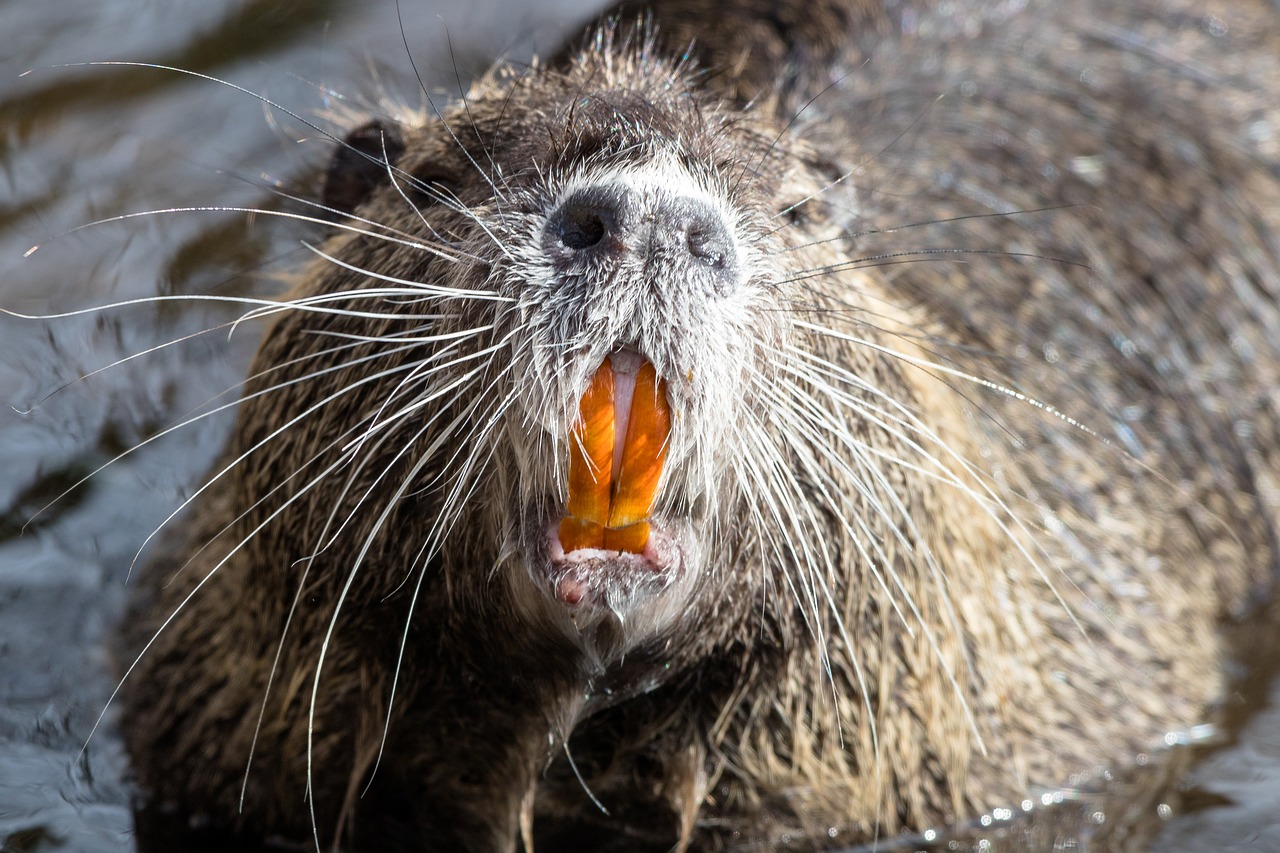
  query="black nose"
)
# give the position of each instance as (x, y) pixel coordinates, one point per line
(596, 218)
(603, 224)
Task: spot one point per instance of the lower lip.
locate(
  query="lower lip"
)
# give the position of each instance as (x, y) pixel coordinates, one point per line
(574, 570)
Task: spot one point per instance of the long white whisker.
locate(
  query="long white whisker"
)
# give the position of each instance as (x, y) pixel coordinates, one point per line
(801, 427)
(432, 544)
(347, 224)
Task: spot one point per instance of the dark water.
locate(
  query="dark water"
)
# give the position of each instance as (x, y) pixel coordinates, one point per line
(80, 144)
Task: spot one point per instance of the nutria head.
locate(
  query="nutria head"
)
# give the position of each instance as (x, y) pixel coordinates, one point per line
(587, 282)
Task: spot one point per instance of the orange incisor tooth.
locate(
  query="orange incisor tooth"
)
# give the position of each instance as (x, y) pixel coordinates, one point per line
(609, 509)
(590, 465)
(591, 450)
(643, 452)
(578, 533)
(631, 538)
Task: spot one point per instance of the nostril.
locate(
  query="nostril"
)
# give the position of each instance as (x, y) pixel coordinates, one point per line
(706, 236)
(595, 220)
(581, 228)
(684, 240)
(709, 246)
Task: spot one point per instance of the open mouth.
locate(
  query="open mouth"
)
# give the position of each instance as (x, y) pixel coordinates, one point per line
(608, 539)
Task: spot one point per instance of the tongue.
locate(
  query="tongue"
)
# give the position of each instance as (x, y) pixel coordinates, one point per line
(616, 453)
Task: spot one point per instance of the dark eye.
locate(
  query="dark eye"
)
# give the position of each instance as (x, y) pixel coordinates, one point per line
(428, 188)
(361, 165)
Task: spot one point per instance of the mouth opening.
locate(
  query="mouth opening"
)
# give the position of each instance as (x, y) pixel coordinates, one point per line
(616, 456)
(608, 549)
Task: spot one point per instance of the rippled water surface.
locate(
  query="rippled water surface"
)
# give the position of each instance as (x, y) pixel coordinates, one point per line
(84, 143)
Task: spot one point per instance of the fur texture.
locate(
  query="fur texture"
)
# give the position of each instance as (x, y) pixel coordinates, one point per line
(971, 454)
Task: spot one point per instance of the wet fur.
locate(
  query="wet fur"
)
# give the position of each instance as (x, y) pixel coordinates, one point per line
(967, 499)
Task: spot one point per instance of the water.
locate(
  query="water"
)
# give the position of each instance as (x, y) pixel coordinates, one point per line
(81, 144)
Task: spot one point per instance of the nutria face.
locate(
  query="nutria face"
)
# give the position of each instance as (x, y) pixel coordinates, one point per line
(642, 263)
(599, 226)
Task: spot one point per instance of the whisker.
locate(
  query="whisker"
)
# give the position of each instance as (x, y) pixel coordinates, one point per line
(996, 518)
(432, 543)
(405, 240)
(915, 256)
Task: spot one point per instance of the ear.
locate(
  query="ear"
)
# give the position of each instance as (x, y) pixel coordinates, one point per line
(361, 164)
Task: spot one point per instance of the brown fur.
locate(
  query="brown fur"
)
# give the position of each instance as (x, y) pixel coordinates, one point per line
(1097, 245)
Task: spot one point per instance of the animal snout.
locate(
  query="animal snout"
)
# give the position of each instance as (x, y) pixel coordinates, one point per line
(615, 225)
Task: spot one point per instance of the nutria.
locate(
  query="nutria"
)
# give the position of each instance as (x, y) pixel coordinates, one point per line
(757, 426)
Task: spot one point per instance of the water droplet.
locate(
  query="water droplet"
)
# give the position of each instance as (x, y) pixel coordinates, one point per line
(1203, 732)
(1164, 811)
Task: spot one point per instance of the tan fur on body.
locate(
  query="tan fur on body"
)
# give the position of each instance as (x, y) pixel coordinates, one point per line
(975, 457)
